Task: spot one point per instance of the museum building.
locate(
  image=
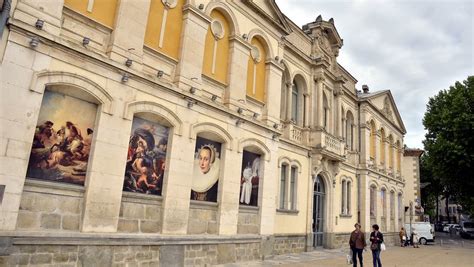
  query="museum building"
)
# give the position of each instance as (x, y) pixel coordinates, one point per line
(186, 132)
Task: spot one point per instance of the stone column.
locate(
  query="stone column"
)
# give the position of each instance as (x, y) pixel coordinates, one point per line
(105, 174)
(289, 88)
(18, 122)
(269, 190)
(129, 32)
(177, 186)
(235, 93)
(193, 39)
(273, 97)
(306, 114)
(229, 188)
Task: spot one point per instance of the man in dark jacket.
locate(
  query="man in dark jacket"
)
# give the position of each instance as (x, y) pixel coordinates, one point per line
(357, 244)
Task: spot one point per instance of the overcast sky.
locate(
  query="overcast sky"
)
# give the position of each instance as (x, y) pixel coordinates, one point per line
(412, 47)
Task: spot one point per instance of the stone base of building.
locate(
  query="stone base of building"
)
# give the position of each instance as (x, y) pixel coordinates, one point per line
(341, 240)
(31, 249)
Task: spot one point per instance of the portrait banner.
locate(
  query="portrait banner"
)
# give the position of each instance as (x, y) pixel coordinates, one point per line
(250, 178)
(206, 170)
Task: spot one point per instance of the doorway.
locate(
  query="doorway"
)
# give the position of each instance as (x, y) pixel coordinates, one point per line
(319, 196)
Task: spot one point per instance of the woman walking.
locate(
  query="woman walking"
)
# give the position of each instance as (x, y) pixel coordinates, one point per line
(416, 238)
(376, 238)
(357, 244)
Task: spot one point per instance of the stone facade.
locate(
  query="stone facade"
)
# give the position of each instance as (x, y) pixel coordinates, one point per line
(285, 244)
(316, 137)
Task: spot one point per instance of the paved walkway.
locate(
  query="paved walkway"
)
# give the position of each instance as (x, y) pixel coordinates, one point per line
(430, 255)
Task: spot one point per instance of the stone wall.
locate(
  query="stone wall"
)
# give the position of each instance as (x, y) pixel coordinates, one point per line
(285, 244)
(202, 218)
(248, 222)
(140, 213)
(50, 206)
(202, 255)
(75, 255)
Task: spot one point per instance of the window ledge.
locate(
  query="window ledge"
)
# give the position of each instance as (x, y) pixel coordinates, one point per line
(345, 215)
(288, 211)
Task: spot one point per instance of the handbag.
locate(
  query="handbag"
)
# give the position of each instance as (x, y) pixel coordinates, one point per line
(374, 246)
(349, 257)
(382, 247)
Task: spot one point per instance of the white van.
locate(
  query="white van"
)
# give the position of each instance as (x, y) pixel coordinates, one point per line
(424, 229)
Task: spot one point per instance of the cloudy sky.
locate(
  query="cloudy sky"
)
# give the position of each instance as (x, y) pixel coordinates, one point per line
(412, 47)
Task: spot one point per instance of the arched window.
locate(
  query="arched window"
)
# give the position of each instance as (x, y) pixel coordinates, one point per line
(401, 209)
(346, 197)
(350, 130)
(349, 197)
(256, 71)
(216, 52)
(294, 103)
(343, 197)
(325, 112)
(383, 198)
(373, 201)
(293, 188)
(163, 29)
(100, 11)
(392, 205)
(283, 182)
(399, 156)
(373, 140)
(390, 151)
(382, 146)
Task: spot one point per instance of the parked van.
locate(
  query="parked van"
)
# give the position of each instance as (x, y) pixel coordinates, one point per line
(467, 229)
(424, 229)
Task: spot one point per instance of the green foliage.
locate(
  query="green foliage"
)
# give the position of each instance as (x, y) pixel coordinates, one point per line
(449, 143)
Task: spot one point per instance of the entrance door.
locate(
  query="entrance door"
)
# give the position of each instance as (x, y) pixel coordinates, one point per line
(318, 212)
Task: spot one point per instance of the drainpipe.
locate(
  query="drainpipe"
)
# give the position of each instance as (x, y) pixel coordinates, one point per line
(358, 175)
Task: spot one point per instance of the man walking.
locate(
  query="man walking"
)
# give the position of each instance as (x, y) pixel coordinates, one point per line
(357, 244)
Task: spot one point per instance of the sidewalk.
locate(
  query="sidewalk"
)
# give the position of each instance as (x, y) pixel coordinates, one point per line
(430, 255)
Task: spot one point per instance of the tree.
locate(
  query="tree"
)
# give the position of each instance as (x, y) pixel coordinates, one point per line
(449, 142)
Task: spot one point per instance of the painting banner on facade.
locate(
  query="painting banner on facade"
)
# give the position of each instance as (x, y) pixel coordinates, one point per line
(62, 140)
(250, 177)
(206, 170)
(146, 158)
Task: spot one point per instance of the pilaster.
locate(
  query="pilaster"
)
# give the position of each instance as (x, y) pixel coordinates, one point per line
(236, 91)
(177, 186)
(273, 97)
(193, 40)
(104, 180)
(129, 32)
(227, 215)
(267, 198)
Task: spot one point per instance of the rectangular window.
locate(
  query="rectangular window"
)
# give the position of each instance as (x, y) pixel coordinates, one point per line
(392, 205)
(283, 186)
(384, 203)
(293, 188)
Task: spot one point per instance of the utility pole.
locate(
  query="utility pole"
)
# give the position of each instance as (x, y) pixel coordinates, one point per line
(411, 219)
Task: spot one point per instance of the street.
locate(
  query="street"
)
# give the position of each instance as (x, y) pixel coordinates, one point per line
(446, 251)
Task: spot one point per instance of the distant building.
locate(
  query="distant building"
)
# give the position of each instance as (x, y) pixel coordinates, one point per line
(448, 211)
(411, 174)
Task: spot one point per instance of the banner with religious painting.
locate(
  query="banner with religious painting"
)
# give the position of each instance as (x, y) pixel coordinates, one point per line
(146, 157)
(249, 178)
(206, 170)
(62, 139)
